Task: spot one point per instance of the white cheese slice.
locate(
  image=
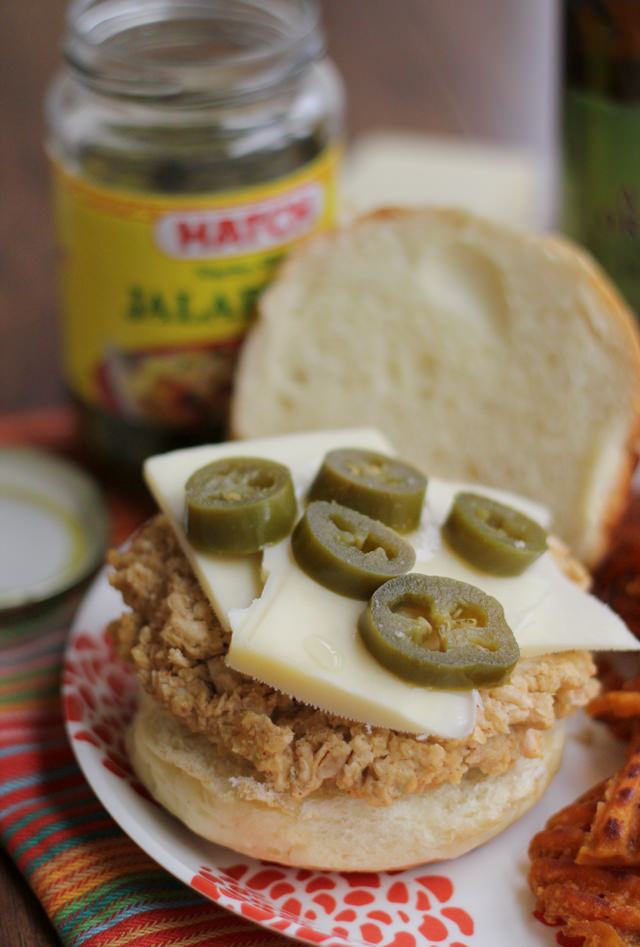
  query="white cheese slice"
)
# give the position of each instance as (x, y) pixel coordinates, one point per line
(234, 582)
(301, 638)
(546, 611)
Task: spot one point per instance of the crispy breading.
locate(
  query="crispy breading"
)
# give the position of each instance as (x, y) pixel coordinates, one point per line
(573, 569)
(177, 647)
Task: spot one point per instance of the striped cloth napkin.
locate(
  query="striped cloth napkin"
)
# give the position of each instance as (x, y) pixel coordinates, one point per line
(98, 888)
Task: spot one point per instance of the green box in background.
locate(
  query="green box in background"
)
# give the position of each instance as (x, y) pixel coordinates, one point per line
(600, 173)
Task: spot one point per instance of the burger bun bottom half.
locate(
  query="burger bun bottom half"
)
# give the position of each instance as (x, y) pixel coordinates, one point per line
(217, 797)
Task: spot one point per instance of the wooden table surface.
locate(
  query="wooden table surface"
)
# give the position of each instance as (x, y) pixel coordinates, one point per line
(437, 67)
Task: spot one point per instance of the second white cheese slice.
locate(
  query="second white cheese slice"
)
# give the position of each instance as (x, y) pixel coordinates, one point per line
(302, 639)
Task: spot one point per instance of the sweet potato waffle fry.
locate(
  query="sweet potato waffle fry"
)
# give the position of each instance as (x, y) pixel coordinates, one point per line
(618, 707)
(617, 581)
(585, 868)
(599, 904)
(585, 864)
(613, 839)
(616, 704)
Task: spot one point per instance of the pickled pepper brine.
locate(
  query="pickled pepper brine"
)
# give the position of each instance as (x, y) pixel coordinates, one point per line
(193, 145)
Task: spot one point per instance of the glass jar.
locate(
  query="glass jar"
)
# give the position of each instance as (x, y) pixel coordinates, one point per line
(600, 174)
(193, 143)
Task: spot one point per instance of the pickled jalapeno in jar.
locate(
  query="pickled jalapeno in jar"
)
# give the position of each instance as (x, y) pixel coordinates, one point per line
(193, 143)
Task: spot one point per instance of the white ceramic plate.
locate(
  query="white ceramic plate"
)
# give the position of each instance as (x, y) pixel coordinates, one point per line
(479, 900)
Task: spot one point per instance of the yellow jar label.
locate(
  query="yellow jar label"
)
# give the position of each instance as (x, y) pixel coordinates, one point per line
(158, 291)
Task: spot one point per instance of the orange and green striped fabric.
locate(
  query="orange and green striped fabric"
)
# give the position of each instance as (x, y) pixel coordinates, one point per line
(96, 885)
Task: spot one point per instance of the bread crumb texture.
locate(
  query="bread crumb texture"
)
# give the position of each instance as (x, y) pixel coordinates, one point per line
(177, 647)
(484, 354)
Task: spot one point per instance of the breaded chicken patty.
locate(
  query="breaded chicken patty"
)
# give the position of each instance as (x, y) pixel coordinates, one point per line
(177, 646)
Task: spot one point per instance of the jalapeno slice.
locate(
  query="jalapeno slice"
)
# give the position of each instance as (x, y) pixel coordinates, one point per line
(439, 632)
(239, 504)
(348, 552)
(492, 536)
(379, 486)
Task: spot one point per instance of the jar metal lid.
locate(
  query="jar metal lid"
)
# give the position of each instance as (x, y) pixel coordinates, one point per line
(53, 526)
(191, 52)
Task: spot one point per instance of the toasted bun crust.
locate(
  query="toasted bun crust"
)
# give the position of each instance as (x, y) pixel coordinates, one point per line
(331, 830)
(485, 354)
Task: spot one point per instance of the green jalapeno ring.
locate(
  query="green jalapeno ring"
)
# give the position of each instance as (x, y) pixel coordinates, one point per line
(382, 487)
(492, 536)
(346, 551)
(237, 505)
(438, 632)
